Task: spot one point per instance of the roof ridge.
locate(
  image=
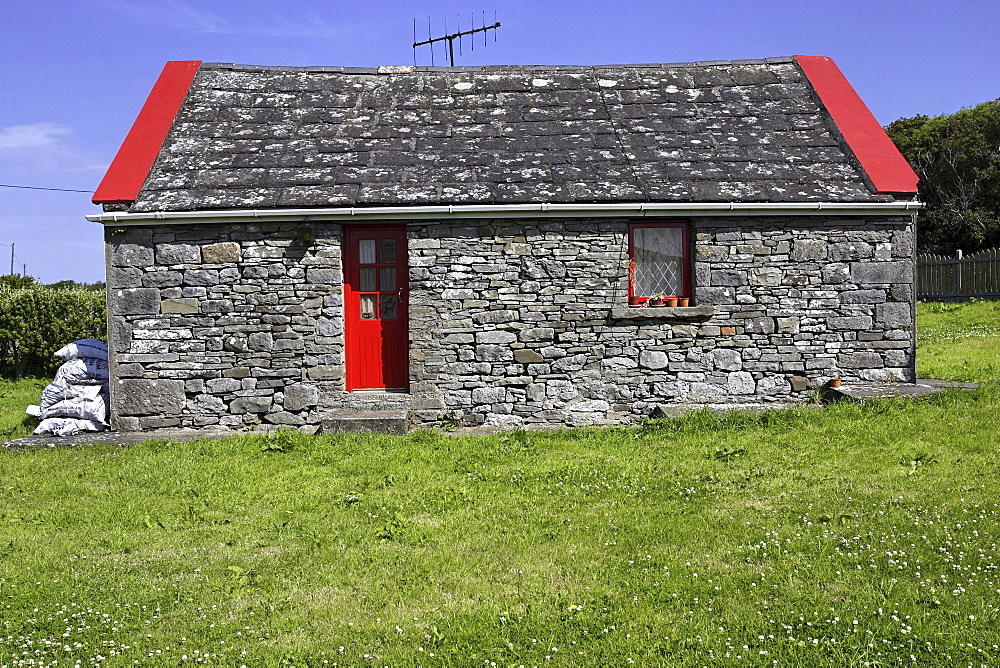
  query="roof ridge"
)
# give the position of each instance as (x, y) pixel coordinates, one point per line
(490, 68)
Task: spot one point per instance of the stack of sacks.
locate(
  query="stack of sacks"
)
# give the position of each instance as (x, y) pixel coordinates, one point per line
(77, 400)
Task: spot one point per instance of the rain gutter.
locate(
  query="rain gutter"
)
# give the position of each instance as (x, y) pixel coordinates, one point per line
(538, 210)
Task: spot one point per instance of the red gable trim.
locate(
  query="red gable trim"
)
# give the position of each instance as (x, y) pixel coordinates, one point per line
(879, 157)
(128, 171)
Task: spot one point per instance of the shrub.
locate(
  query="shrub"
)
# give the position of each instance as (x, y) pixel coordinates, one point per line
(36, 321)
(14, 281)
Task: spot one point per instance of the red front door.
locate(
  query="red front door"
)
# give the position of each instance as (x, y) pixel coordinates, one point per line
(376, 331)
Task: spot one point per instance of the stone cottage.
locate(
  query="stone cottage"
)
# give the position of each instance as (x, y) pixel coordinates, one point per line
(464, 243)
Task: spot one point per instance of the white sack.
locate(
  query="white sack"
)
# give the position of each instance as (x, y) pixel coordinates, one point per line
(58, 390)
(84, 371)
(33, 410)
(91, 348)
(67, 426)
(95, 410)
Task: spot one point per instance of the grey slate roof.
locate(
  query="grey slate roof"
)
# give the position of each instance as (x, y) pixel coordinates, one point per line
(258, 137)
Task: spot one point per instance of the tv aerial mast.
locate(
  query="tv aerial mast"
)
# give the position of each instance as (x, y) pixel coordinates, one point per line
(451, 37)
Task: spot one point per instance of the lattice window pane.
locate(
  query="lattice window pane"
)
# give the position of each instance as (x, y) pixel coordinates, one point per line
(658, 253)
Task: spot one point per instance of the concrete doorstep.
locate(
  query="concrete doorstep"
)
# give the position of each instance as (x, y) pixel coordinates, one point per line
(378, 421)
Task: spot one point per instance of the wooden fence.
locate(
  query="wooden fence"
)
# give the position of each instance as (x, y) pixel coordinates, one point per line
(959, 277)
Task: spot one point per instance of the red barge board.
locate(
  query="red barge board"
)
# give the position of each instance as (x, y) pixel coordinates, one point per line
(128, 171)
(879, 157)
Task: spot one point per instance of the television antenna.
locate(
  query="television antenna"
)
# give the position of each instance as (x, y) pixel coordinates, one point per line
(451, 37)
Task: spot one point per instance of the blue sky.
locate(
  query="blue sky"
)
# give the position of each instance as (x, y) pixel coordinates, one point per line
(74, 73)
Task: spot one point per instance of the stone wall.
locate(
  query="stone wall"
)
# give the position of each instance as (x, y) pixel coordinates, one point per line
(522, 323)
(511, 322)
(224, 325)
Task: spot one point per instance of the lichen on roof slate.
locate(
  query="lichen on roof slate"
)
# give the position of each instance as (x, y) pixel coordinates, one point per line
(747, 131)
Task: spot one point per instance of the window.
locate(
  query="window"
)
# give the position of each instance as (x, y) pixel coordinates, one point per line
(659, 260)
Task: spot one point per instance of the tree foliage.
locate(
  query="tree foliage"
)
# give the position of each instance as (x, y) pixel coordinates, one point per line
(957, 157)
(70, 285)
(15, 281)
(36, 321)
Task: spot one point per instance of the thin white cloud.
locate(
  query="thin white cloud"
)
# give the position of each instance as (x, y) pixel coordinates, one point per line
(33, 136)
(41, 149)
(188, 17)
(171, 13)
(202, 21)
(280, 24)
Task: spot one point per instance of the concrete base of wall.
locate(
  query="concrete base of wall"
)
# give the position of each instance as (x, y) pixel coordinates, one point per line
(859, 391)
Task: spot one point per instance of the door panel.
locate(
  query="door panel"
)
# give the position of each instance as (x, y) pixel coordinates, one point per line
(376, 327)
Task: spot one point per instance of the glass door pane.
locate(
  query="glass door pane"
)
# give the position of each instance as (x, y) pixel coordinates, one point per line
(367, 282)
(367, 307)
(366, 251)
(389, 306)
(387, 276)
(386, 251)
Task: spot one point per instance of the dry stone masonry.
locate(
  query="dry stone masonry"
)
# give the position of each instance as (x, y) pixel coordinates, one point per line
(512, 322)
(224, 326)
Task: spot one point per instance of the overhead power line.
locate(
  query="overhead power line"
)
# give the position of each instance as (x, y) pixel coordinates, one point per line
(64, 190)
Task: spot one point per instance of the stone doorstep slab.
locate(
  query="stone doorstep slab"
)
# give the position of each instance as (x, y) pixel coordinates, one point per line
(859, 391)
(391, 421)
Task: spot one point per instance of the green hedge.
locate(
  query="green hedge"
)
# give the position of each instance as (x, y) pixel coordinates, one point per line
(37, 321)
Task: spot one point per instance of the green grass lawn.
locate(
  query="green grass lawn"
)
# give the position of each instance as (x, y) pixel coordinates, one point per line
(852, 534)
(959, 341)
(15, 396)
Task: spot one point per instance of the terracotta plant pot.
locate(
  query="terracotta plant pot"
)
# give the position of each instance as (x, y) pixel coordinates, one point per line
(655, 301)
(671, 301)
(683, 301)
(635, 301)
(834, 382)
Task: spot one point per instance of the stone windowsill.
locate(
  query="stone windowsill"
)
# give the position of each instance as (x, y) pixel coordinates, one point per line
(625, 312)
